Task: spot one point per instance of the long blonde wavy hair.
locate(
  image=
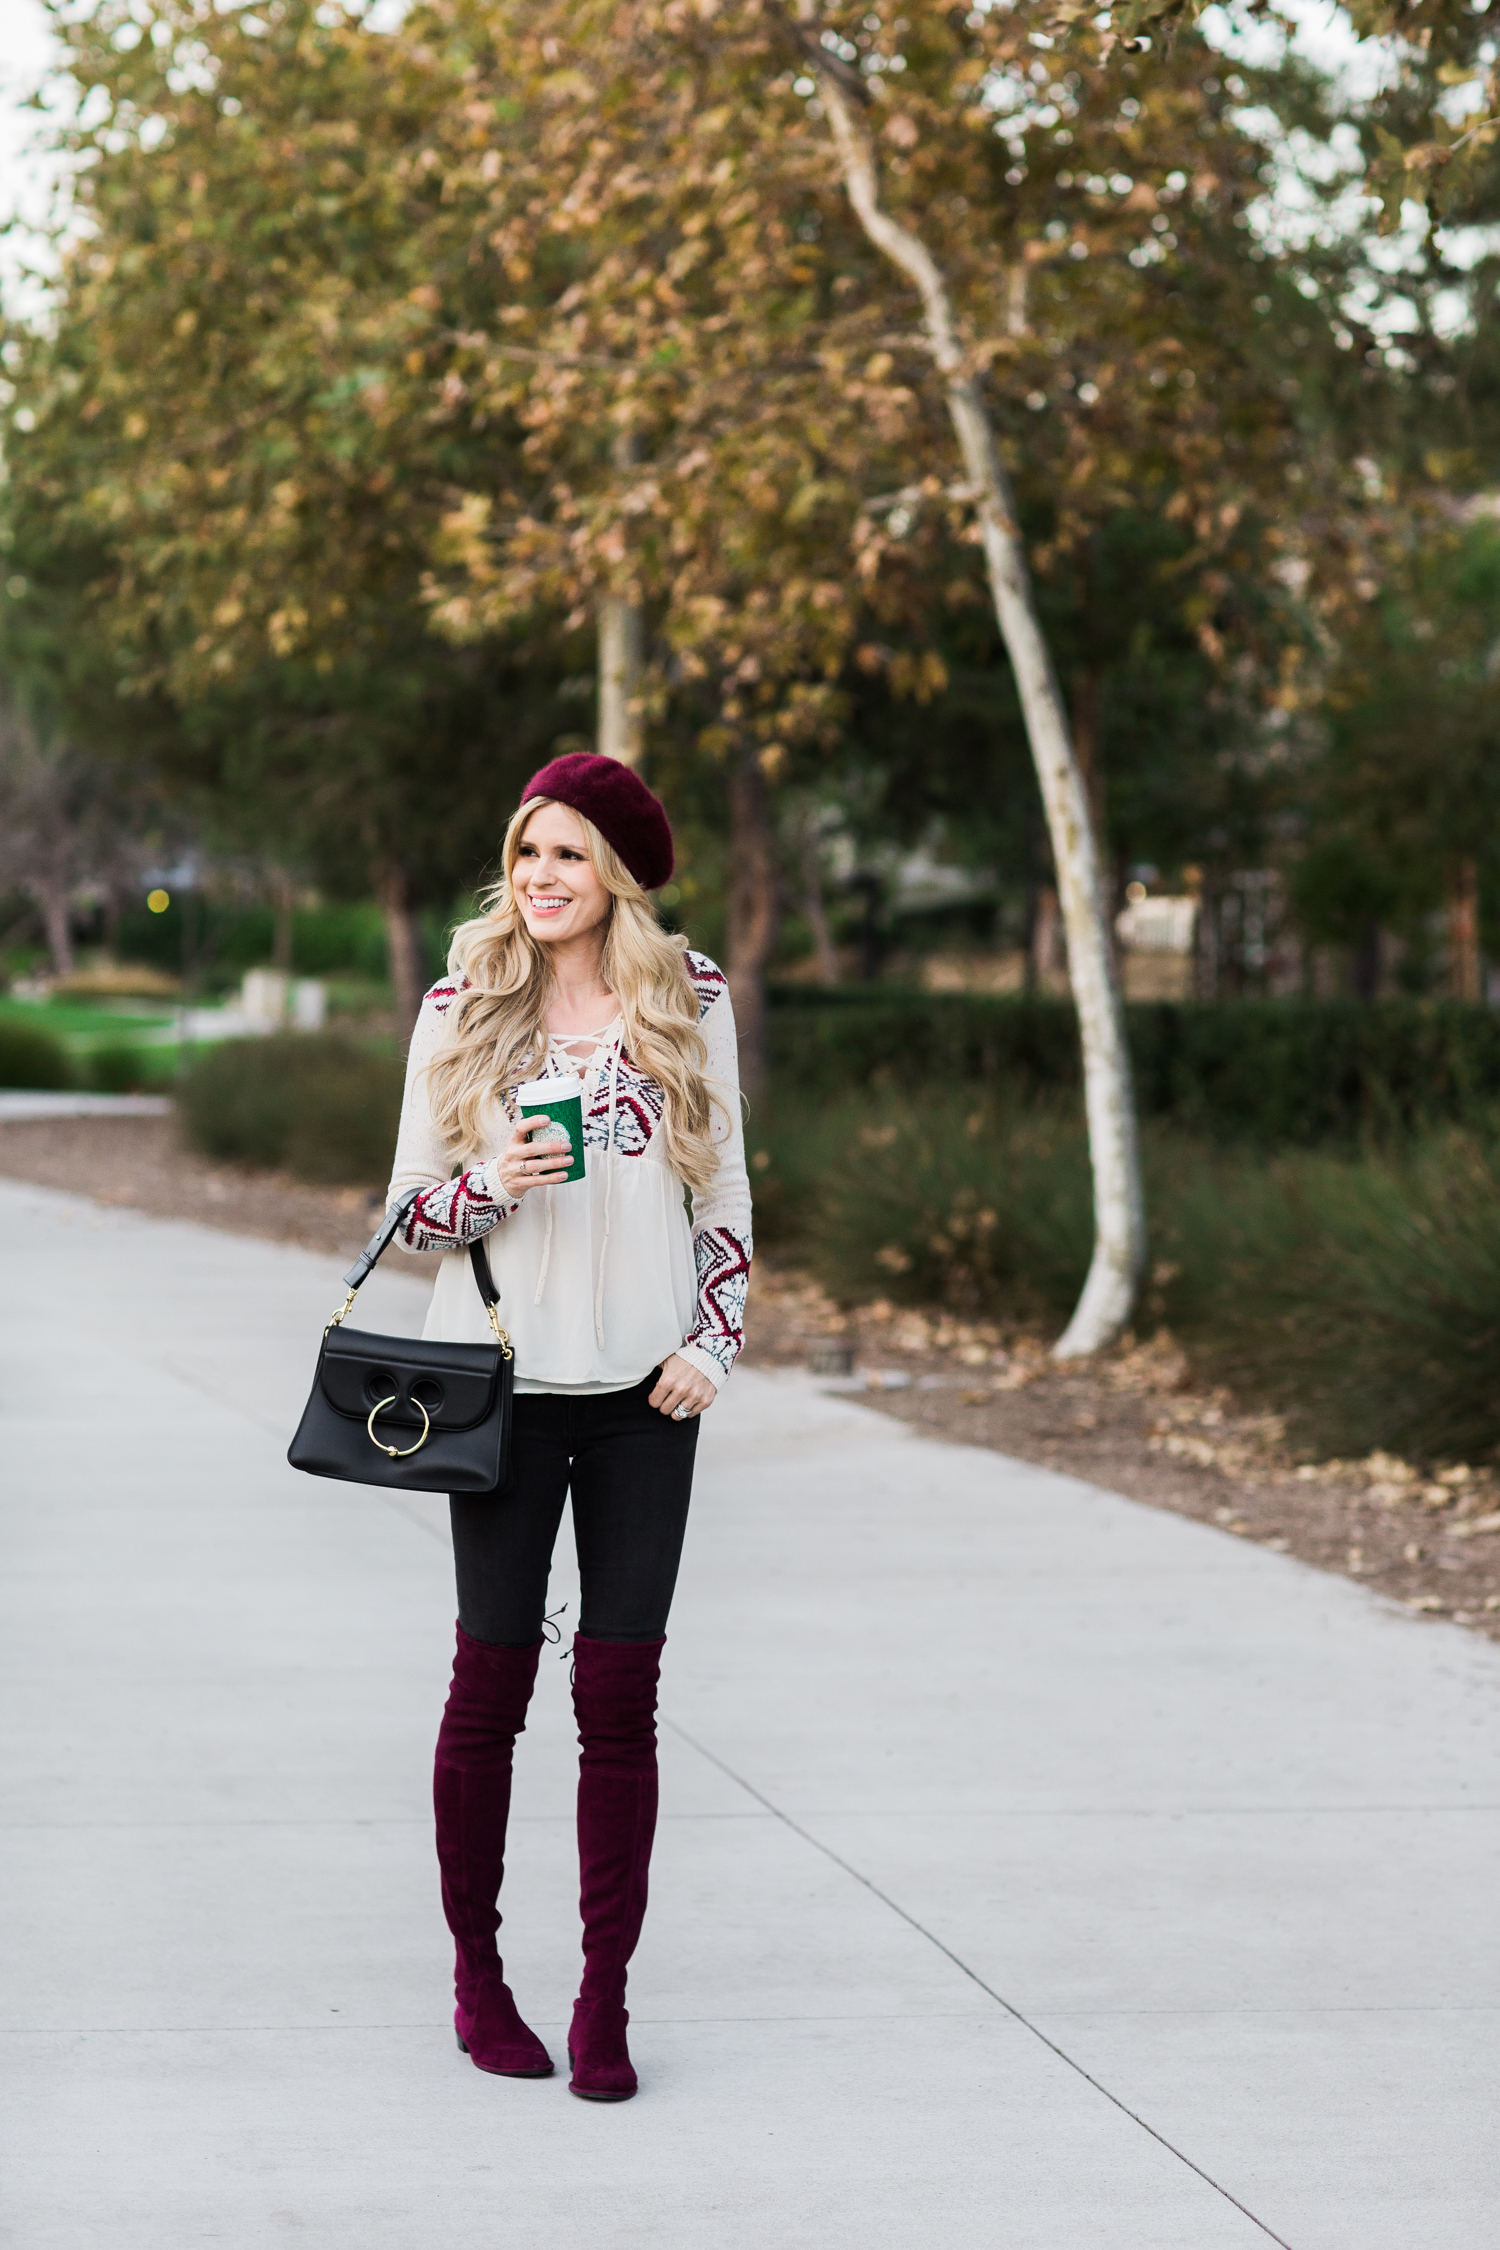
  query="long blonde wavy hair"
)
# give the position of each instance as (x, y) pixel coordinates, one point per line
(496, 1032)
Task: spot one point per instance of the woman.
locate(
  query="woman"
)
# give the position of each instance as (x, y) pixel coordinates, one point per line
(625, 1320)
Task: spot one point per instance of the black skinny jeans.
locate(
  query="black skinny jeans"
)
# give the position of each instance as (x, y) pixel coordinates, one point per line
(631, 1473)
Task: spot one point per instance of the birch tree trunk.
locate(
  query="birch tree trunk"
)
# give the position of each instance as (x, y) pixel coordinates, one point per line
(1119, 1203)
(621, 657)
(622, 649)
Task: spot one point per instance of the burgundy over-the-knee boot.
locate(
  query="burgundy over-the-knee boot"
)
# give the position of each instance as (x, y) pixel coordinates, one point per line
(614, 1696)
(485, 1712)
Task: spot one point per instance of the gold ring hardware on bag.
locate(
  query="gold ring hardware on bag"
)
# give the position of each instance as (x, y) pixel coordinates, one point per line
(398, 1452)
(502, 1337)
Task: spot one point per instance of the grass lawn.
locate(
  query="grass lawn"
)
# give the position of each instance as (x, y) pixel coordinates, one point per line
(84, 1028)
(84, 1025)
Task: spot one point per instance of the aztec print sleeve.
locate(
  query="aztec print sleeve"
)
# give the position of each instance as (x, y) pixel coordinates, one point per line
(722, 1241)
(712, 1344)
(449, 1213)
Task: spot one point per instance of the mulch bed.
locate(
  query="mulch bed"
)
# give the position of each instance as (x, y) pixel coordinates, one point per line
(1132, 1421)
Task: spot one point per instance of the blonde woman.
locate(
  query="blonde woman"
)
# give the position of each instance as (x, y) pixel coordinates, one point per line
(626, 1318)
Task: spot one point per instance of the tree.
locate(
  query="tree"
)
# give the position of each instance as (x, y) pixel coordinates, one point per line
(59, 825)
(224, 429)
(665, 169)
(528, 316)
(1119, 1196)
(1404, 802)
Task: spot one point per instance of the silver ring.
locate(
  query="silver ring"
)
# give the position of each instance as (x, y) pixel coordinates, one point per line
(679, 1413)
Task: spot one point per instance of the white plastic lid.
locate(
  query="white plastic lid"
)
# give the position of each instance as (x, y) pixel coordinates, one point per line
(562, 1088)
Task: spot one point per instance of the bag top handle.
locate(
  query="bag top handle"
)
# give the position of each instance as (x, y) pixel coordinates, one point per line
(381, 1240)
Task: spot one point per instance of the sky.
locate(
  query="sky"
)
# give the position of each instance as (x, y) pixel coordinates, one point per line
(28, 178)
(26, 181)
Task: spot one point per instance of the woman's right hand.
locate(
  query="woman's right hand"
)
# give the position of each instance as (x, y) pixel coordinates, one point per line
(519, 1167)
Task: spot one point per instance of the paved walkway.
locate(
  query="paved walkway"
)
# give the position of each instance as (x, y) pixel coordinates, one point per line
(28, 1105)
(1039, 1872)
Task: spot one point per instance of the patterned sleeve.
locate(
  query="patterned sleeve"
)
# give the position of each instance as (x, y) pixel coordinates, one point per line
(449, 1213)
(722, 1240)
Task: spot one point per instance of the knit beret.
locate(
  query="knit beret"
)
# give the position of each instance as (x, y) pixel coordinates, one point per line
(618, 803)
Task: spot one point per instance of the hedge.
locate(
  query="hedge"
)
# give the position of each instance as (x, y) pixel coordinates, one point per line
(1280, 1071)
(1356, 1289)
(326, 940)
(120, 1068)
(33, 1059)
(311, 1102)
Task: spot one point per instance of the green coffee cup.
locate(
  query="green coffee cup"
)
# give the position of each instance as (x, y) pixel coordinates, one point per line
(561, 1100)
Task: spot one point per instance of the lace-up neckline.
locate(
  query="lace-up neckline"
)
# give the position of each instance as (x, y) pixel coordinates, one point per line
(583, 1050)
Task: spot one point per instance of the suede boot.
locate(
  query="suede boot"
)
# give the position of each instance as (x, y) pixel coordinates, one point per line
(614, 1697)
(485, 1712)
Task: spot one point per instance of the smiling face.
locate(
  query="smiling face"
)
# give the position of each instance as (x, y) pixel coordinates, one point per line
(554, 879)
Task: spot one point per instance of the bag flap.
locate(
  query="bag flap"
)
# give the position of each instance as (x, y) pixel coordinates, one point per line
(456, 1383)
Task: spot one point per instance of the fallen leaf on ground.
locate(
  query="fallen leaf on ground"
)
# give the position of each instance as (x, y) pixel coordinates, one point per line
(1491, 1522)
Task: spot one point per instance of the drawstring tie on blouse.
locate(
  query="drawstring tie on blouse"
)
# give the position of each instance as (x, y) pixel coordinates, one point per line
(541, 1278)
(609, 1184)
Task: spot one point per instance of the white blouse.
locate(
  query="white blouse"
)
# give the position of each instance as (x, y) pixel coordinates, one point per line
(601, 1279)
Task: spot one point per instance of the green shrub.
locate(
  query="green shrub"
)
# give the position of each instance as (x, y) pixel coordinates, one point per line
(326, 939)
(828, 1042)
(311, 1103)
(1358, 1292)
(32, 1059)
(788, 1157)
(973, 1203)
(356, 996)
(977, 1206)
(1304, 1072)
(118, 1069)
(230, 939)
(1276, 1071)
(1362, 1294)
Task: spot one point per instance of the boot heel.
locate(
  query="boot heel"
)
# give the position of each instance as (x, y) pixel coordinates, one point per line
(604, 2072)
(458, 2035)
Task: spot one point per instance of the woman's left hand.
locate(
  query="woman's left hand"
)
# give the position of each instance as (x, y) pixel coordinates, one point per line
(681, 1391)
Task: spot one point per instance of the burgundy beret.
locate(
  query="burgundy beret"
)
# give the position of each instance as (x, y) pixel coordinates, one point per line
(620, 806)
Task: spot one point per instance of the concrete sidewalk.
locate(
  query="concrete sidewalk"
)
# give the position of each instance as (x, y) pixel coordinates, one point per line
(1038, 1871)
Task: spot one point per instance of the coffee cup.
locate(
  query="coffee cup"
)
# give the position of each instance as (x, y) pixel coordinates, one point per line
(560, 1100)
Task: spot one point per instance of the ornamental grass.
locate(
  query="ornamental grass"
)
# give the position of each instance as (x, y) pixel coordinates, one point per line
(1358, 1292)
(312, 1103)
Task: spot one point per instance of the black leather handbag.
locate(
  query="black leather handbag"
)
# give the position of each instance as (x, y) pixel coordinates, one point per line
(404, 1412)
